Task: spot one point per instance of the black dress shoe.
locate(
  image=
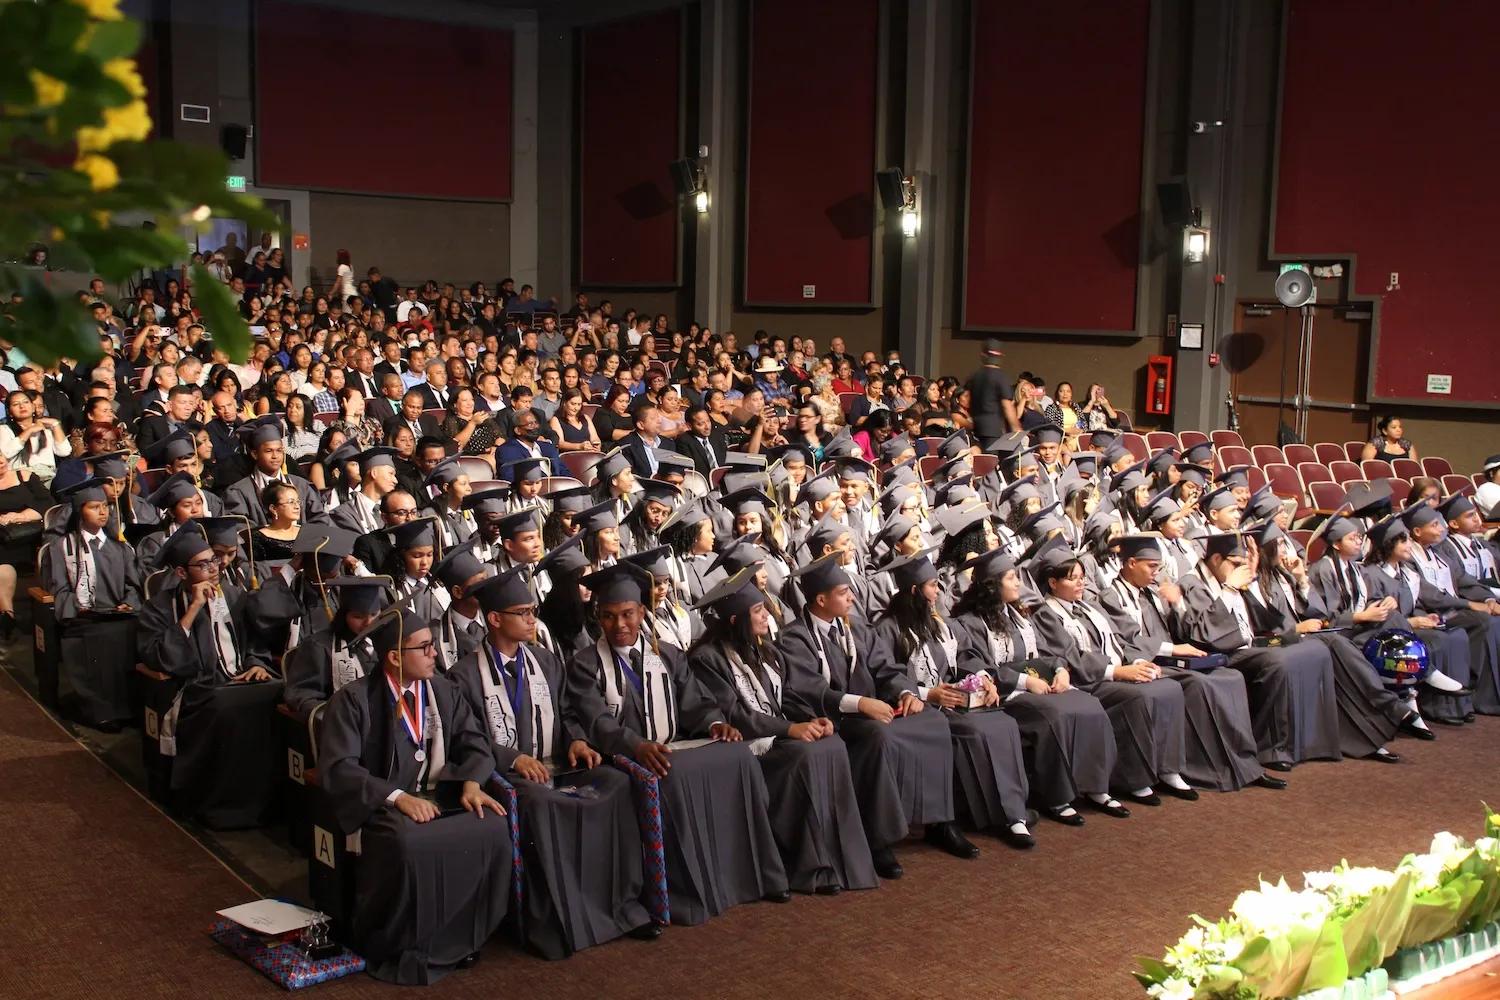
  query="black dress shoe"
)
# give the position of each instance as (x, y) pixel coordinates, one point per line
(108, 727)
(1409, 727)
(829, 890)
(469, 961)
(1384, 756)
(1020, 841)
(886, 865)
(1074, 819)
(1111, 808)
(950, 838)
(1278, 765)
(784, 896)
(1149, 799)
(1443, 720)
(1266, 781)
(1468, 716)
(649, 931)
(1185, 794)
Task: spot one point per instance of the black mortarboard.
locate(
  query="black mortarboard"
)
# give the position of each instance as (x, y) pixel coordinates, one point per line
(414, 533)
(1044, 552)
(739, 553)
(526, 470)
(1336, 528)
(444, 473)
(955, 491)
(1046, 434)
(819, 487)
(1386, 529)
(1264, 532)
(955, 520)
(746, 501)
(1007, 444)
(1236, 476)
(1263, 503)
(1161, 506)
(223, 531)
(371, 458)
(1419, 515)
(1113, 452)
(181, 443)
(565, 557)
(596, 518)
(173, 490)
(1042, 521)
(182, 546)
(1229, 543)
(691, 512)
(1098, 525)
(363, 595)
(745, 460)
(261, 430)
(110, 465)
(342, 455)
(669, 461)
(509, 588)
(826, 531)
(905, 472)
(1369, 499)
(571, 499)
(954, 445)
(1198, 475)
(1129, 478)
(487, 501)
(519, 523)
(1143, 546)
(822, 575)
(611, 465)
(458, 566)
(990, 565)
(1085, 462)
(1198, 454)
(620, 582)
(1161, 461)
(913, 570)
(853, 467)
(663, 493)
(654, 561)
(842, 444)
(895, 528)
(1217, 499)
(893, 447)
(734, 596)
(1455, 506)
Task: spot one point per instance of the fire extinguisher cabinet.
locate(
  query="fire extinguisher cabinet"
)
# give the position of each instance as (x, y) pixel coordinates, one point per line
(1159, 384)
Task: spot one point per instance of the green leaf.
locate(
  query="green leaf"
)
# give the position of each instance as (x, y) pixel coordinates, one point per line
(48, 326)
(221, 314)
(115, 39)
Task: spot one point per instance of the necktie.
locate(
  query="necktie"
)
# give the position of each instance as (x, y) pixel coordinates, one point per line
(410, 698)
(637, 664)
(94, 547)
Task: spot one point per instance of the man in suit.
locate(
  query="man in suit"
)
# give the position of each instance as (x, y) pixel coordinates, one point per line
(391, 362)
(641, 444)
(262, 441)
(435, 392)
(386, 406)
(374, 548)
(157, 427)
(704, 443)
(412, 415)
(362, 374)
(525, 442)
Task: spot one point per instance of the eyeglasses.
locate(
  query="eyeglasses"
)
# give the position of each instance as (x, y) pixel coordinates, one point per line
(424, 647)
(204, 564)
(526, 613)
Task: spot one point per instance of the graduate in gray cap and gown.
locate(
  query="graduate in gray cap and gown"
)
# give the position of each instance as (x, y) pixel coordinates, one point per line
(636, 698)
(689, 533)
(914, 659)
(813, 809)
(1293, 707)
(460, 628)
(262, 440)
(326, 660)
(582, 852)
(404, 762)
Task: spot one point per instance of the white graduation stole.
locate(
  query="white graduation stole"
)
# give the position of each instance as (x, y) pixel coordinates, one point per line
(658, 699)
(929, 671)
(501, 714)
(747, 683)
(1433, 569)
(346, 665)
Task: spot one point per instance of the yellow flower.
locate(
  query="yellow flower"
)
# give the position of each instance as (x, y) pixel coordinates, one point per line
(102, 10)
(101, 170)
(123, 71)
(129, 122)
(50, 91)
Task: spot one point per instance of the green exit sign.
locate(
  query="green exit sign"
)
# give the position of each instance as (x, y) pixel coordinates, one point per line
(1294, 267)
(234, 182)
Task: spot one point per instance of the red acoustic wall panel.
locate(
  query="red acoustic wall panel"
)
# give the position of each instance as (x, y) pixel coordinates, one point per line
(351, 101)
(810, 152)
(1385, 155)
(629, 215)
(1056, 119)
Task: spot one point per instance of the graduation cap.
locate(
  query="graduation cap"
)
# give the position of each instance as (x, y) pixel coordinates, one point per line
(825, 532)
(1141, 546)
(791, 453)
(571, 500)
(1198, 475)
(1264, 533)
(110, 465)
(1199, 454)
(1069, 484)
(1104, 436)
(1161, 506)
(1419, 515)
(991, 565)
(852, 467)
(955, 491)
(620, 582)
(901, 474)
(739, 553)
(953, 468)
(819, 487)
(1455, 507)
(1053, 550)
(261, 430)
(519, 523)
(565, 557)
(954, 445)
(446, 472)
(734, 596)
(653, 561)
(223, 531)
(173, 490)
(1218, 499)
(363, 595)
(1130, 478)
(895, 497)
(487, 501)
(954, 520)
(596, 518)
(1229, 543)
(1236, 476)
(372, 458)
(1042, 521)
(509, 588)
(1369, 499)
(841, 445)
(181, 443)
(1098, 525)
(913, 570)
(1020, 490)
(329, 543)
(415, 533)
(745, 460)
(660, 492)
(1337, 528)
(1006, 445)
(1387, 529)
(896, 527)
(822, 575)
(669, 462)
(458, 566)
(611, 465)
(1113, 452)
(1263, 503)
(1086, 462)
(182, 546)
(746, 501)
(893, 448)
(1161, 461)
(88, 491)
(1047, 434)
(391, 627)
(526, 470)
(689, 513)
(1025, 459)
(342, 455)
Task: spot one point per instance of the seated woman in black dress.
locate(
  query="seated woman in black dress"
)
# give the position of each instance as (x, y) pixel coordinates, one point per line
(1389, 442)
(570, 428)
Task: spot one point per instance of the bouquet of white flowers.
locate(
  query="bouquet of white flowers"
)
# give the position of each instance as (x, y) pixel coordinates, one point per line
(1370, 906)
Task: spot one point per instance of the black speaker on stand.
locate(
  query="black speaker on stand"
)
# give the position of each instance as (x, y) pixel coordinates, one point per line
(892, 185)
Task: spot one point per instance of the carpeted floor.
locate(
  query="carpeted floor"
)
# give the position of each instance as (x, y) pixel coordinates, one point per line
(105, 897)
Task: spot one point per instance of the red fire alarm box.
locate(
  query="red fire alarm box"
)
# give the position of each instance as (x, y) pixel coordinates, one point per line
(1159, 384)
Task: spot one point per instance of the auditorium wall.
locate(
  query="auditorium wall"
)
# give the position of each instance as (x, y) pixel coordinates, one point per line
(411, 239)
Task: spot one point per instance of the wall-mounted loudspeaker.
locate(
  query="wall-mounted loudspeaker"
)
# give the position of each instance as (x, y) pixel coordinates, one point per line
(889, 181)
(1294, 289)
(1176, 203)
(232, 139)
(685, 176)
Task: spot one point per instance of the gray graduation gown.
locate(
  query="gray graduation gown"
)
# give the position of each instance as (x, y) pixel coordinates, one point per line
(1293, 708)
(427, 895)
(902, 770)
(308, 669)
(583, 864)
(720, 849)
(243, 498)
(1147, 718)
(1482, 628)
(814, 812)
(1220, 741)
(1068, 742)
(989, 768)
(1450, 648)
(96, 648)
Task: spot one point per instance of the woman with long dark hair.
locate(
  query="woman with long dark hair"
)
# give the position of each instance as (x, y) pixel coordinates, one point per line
(689, 533)
(813, 811)
(1070, 748)
(914, 657)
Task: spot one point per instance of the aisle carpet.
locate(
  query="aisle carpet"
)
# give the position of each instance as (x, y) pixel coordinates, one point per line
(104, 896)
